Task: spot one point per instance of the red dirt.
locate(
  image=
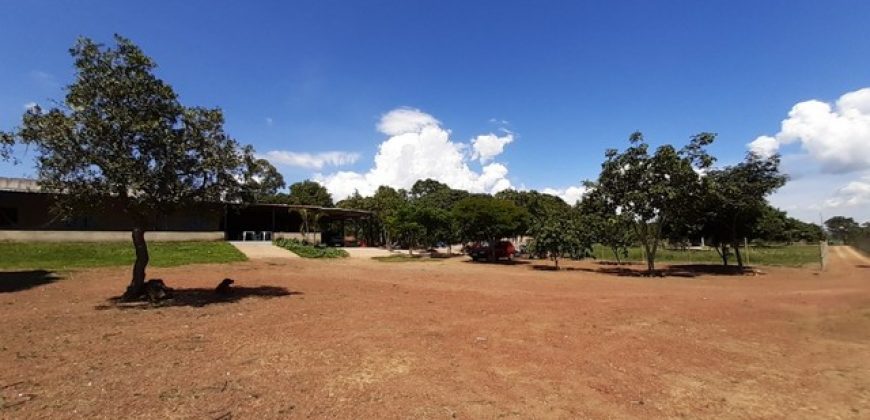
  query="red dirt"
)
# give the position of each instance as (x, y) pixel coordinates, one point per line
(365, 339)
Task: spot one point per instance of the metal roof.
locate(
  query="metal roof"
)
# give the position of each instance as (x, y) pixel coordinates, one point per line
(31, 186)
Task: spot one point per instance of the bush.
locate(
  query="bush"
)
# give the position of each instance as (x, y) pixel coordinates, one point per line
(310, 251)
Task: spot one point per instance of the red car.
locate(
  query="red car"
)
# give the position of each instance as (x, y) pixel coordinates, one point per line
(481, 251)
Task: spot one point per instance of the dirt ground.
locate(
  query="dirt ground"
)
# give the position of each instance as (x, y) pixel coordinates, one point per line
(447, 339)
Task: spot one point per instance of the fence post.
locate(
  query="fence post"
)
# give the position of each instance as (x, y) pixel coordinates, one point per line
(823, 254)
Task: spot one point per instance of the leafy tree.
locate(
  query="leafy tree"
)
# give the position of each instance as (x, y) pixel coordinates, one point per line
(561, 235)
(735, 199)
(304, 193)
(362, 229)
(653, 189)
(610, 227)
(842, 228)
(538, 206)
(404, 226)
(7, 140)
(121, 137)
(484, 218)
(433, 201)
(386, 202)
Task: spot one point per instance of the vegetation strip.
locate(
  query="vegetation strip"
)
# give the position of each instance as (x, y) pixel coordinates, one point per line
(309, 251)
(65, 255)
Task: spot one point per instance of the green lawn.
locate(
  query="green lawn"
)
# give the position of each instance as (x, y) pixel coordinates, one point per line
(66, 255)
(792, 255)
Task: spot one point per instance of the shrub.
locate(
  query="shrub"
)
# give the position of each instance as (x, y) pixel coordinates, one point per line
(310, 251)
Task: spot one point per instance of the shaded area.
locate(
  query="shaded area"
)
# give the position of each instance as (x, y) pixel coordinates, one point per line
(16, 281)
(199, 297)
(498, 262)
(678, 270)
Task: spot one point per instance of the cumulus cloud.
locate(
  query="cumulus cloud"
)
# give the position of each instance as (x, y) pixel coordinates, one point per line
(487, 146)
(30, 105)
(571, 195)
(854, 194)
(418, 147)
(836, 135)
(310, 160)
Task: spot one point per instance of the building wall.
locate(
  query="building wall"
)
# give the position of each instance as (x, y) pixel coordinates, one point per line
(103, 236)
(31, 211)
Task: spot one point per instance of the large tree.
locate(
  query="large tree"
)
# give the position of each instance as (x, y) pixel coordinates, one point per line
(610, 227)
(484, 218)
(842, 228)
(561, 235)
(652, 190)
(734, 201)
(310, 193)
(120, 137)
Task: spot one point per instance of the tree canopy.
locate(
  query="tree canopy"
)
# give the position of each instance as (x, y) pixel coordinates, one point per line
(306, 193)
(484, 218)
(121, 135)
(734, 201)
(653, 189)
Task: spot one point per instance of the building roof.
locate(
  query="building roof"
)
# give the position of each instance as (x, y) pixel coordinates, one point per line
(332, 211)
(19, 185)
(31, 186)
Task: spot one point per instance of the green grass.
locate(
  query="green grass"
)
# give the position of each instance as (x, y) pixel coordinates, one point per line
(66, 255)
(310, 251)
(404, 258)
(791, 255)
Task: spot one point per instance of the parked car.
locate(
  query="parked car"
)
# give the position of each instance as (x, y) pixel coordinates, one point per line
(481, 251)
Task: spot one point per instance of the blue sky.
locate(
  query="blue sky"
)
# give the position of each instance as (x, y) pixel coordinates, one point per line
(565, 80)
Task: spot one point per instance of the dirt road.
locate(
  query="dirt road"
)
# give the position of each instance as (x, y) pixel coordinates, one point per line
(451, 339)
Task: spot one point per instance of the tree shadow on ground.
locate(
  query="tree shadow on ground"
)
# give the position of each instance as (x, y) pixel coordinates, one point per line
(498, 262)
(677, 270)
(16, 281)
(863, 266)
(200, 297)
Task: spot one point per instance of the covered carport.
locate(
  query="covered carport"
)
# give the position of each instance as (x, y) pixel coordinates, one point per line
(267, 221)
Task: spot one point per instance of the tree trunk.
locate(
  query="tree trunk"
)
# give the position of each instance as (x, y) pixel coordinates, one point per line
(615, 254)
(736, 247)
(137, 284)
(723, 253)
(492, 245)
(650, 259)
(556, 260)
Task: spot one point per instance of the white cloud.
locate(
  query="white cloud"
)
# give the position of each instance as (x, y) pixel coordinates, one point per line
(269, 121)
(418, 147)
(571, 195)
(837, 136)
(30, 105)
(854, 194)
(406, 120)
(310, 160)
(487, 146)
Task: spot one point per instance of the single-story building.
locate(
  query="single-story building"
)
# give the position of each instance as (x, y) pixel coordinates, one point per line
(25, 215)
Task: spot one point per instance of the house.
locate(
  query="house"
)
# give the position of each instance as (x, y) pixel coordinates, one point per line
(25, 215)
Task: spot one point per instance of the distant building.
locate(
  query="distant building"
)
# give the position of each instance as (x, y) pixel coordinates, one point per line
(25, 215)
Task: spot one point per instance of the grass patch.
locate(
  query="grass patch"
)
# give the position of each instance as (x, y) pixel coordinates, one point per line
(787, 255)
(404, 258)
(310, 251)
(66, 255)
